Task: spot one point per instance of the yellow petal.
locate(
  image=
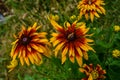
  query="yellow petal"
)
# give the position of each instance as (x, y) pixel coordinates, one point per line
(20, 53)
(89, 34)
(79, 60)
(38, 27)
(34, 25)
(84, 65)
(15, 36)
(29, 29)
(58, 47)
(46, 50)
(72, 59)
(10, 69)
(12, 50)
(9, 66)
(102, 10)
(56, 42)
(86, 30)
(14, 62)
(90, 48)
(64, 52)
(52, 39)
(55, 25)
(63, 59)
(91, 16)
(42, 34)
(80, 24)
(40, 60)
(29, 48)
(80, 16)
(27, 61)
(90, 77)
(37, 48)
(79, 51)
(85, 55)
(39, 56)
(89, 40)
(35, 40)
(35, 57)
(34, 34)
(74, 23)
(14, 56)
(31, 58)
(43, 40)
(23, 28)
(81, 70)
(86, 16)
(96, 14)
(82, 46)
(99, 11)
(71, 50)
(14, 43)
(23, 53)
(68, 24)
(54, 34)
(12, 65)
(21, 60)
(56, 52)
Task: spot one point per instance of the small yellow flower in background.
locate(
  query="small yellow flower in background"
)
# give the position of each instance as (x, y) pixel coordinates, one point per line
(72, 17)
(71, 40)
(30, 45)
(116, 28)
(54, 17)
(12, 65)
(116, 53)
(93, 73)
(91, 8)
(94, 28)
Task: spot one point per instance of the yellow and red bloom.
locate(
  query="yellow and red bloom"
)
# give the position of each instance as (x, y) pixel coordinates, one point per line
(71, 39)
(91, 7)
(30, 45)
(93, 73)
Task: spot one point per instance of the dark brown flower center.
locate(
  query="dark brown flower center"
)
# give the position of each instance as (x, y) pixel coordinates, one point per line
(71, 36)
(89, 2)
(94, 74)
(25, 39)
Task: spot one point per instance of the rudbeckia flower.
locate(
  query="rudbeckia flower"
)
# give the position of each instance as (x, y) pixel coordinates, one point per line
(12, 65)
(91, 8)
(71, 41)
(30, 45)
(93, 73)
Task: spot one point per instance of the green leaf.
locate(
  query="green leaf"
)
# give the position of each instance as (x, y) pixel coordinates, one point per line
(28, 77)
(103, 44)
(114, 70)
